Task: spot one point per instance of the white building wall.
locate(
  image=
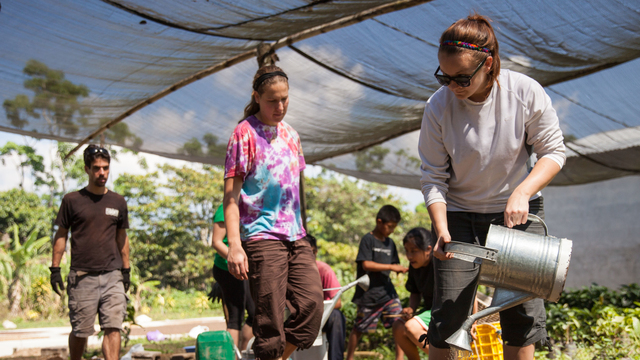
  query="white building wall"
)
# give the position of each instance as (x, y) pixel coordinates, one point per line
(603, 220)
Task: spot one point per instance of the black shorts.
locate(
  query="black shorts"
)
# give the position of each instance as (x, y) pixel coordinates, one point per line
(236, 298)
(456, 283)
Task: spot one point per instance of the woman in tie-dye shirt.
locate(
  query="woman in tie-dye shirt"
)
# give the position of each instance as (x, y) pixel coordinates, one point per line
(262, 214)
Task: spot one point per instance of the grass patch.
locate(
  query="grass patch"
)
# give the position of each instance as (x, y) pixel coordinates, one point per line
(60, 321)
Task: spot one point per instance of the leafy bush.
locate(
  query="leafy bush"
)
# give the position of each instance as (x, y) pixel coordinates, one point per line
(607, 320)
(586, 298)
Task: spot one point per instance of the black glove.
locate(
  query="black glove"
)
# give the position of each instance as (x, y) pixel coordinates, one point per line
(56, 280)
(126, 278)
(216, 293)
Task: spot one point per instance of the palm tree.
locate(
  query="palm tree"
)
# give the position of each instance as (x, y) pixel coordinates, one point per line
(15, 261)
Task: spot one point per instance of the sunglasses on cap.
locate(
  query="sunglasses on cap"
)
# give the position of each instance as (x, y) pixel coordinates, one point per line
(461, 80)
(94, 150)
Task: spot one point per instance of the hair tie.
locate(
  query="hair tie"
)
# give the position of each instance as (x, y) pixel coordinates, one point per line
(465, 45)
(266, 76)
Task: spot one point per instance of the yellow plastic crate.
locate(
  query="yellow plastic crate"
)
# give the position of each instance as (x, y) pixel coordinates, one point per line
(488, 346)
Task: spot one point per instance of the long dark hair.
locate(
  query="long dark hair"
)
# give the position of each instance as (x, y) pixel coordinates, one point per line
(475, 29)
(253, 107)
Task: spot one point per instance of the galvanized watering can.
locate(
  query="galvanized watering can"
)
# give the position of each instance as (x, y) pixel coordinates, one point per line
(520, 266)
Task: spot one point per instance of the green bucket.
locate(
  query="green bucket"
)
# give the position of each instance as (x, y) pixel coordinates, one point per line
(215, 345)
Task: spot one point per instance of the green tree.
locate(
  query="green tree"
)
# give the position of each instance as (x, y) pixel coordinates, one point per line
(64, 174)
(340, 209)
(55, 99)
(371, 159)
(28, 158)
(195, 147)
(172, 216)
(120, 134)
(56, 179)
(26, 211)
(192, 147)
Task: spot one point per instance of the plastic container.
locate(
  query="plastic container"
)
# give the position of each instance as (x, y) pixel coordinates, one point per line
(134, 349)
(215, 345)
(488, 346)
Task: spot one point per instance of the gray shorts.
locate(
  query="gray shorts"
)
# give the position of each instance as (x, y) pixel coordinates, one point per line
(91, 294)
(456, 283)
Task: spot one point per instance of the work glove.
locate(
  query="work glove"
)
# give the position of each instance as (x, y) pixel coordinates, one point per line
(216, 293)
(56, 280)
(126, 278)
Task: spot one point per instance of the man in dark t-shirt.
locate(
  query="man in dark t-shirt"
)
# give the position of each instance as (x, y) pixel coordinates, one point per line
(99, 274)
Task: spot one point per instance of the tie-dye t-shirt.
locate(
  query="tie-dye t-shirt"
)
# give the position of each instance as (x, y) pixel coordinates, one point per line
(269, 159)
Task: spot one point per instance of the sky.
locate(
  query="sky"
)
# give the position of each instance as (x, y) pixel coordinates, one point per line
(128, 163)
(122, 62)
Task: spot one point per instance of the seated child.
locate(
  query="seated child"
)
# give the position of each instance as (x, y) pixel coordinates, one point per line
(410, 332)
(377, 257)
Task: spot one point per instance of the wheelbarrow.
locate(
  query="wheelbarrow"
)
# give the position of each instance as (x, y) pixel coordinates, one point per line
(320, 347)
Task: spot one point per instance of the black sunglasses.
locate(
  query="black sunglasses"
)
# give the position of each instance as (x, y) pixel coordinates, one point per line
(95, 150)
(461, 80)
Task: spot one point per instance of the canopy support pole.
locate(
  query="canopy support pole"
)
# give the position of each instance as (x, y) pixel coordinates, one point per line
(285, 41)
(303, 202)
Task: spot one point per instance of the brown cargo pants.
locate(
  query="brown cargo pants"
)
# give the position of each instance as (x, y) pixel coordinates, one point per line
(283, 272)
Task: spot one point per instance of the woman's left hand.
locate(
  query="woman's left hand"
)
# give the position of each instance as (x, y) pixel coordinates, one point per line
(517, 209)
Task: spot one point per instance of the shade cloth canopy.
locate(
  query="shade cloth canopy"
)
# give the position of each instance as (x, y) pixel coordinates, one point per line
(357, 93)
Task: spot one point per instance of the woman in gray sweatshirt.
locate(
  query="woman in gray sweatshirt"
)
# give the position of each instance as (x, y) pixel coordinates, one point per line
(478, 132)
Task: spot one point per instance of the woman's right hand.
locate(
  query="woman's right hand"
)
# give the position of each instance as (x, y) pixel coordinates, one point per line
(237, 262)
(438, 250)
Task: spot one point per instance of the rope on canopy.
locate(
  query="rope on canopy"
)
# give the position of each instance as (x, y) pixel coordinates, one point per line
(285, 41)
(336, 71)
(206, 31)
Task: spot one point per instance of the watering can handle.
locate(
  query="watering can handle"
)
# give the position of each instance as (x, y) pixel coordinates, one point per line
(470, 252)
(536, 218)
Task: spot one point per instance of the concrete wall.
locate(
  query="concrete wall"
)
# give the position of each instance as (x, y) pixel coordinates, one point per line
(603, 220)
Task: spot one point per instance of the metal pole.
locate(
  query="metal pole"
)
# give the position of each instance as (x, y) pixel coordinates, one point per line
(303, 201)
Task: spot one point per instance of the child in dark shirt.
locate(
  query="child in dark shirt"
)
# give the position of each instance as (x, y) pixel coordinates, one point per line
(410, 332)
(377, 257)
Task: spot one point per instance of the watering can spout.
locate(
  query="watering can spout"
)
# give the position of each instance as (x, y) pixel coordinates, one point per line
(461, 339)
(502, 300)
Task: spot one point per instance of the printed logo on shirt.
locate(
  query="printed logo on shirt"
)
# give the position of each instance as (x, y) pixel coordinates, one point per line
(386, 251)
(111, 212)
